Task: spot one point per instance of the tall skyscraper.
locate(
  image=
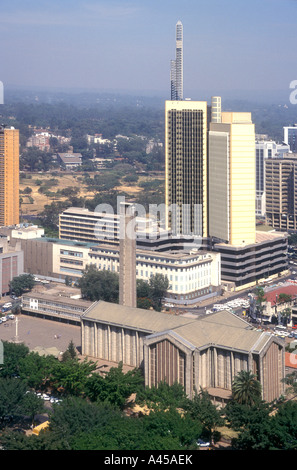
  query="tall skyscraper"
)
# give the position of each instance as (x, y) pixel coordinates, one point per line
(232, 179)
(176, 66)
(247, 256)
(186, 166)
(9, 176)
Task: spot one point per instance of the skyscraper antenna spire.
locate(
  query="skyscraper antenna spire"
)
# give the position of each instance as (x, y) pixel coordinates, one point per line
(176, 66)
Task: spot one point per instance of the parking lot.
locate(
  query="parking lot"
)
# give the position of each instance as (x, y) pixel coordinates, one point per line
(34, 332)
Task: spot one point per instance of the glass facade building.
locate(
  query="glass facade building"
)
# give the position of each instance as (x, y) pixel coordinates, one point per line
(186, 166)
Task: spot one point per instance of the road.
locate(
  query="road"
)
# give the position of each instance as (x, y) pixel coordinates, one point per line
(201, 308)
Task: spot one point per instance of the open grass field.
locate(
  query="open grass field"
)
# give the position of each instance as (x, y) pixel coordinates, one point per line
(34, 204)
(39, 199)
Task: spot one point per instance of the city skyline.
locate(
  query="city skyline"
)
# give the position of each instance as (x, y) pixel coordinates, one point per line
(231, 49)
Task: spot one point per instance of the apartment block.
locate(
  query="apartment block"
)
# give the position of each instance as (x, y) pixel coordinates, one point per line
(9, 176)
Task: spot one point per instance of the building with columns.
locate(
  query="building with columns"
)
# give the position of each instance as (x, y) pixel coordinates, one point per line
(205, 352)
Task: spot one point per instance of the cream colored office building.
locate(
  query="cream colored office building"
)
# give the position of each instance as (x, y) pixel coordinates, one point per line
(232, 179)
(190, 275)
(186, 165)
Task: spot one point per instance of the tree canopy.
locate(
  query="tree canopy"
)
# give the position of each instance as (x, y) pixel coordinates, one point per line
(22, 283)
(246, 389)
(99, 285)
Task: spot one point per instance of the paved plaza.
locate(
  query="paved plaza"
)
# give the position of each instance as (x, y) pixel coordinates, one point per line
(37, 332)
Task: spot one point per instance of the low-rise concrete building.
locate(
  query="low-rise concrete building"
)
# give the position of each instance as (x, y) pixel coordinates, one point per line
(244, 265)
(191, 274)
(55, 303)
(11, 264)
(70, 161)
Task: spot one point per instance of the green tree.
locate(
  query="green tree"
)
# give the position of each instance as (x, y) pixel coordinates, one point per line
(238, 416)
(151, 294)
(143, 294)
(163, 396)
(32, 405)
(115, 386)
(21, 284)
(202, 409)
(180, 427)
(246, 389)
(12, 392)
(145, 303)
(27, 190)
(35, 370)
(13, 354)
(286, 315)
(256, 431)
(284, 427)
(284, 298)
(75, 416)
(260, 301)
(99, 285)
(70, 352)
(68, 281)
(70, 377)
(51, 212)
(143, 289)
(159, 285)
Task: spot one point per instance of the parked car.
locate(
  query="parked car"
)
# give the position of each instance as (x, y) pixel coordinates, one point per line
(202, 443)
(7, 305)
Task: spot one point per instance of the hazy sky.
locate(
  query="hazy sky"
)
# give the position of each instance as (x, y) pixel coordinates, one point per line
(127, 44)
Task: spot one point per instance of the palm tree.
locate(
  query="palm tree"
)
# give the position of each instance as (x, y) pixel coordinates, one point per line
(246, 389)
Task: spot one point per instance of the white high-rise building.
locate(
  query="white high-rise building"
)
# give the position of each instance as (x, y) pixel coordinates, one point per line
(176, 66)
(290, 137)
